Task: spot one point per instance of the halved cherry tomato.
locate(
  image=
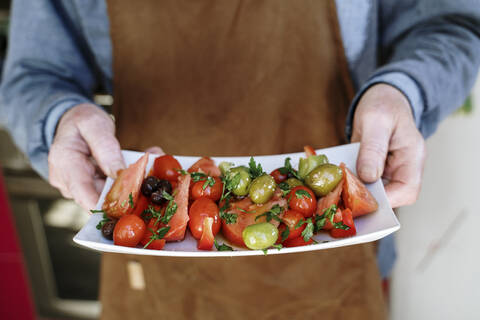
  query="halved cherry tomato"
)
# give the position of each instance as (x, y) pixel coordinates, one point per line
(332, 198)
(347, 219)
(128, 231)
(166, 167)
(201, 209)
(303, 200)
(296, 242)
(246, 216)
(336, 218)
(278, 176)
(157, 244)
(355, 195)
(207, 166)
(141, 205)
(309, 151)
(178, 223)
(290, 219)
(207, 238)
(212, 192)
(117, 202)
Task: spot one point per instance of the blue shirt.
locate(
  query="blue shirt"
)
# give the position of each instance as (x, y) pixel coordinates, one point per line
(60, 51)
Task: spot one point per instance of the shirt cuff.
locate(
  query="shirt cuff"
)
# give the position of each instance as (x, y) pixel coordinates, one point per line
(401, 81)
(54, 115)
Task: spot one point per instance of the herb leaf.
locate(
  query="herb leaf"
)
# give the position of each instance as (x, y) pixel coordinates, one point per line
(273, 213)
(209, 182)
(97, 211)
(159, 234)
(301, 194)
(285, 233)
(130, 200)
(169, 211)
(307, 234)
(198, 176)
(229, 218)
(287, 168)
(278, 246)
(328, 214)
(222, 247)
(285, 187)
(104, 220)
(182, 172)
(255, 169)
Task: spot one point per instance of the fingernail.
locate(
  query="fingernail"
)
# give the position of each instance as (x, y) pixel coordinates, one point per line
(368, 172)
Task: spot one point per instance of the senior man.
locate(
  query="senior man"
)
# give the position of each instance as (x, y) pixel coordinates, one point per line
(237, 78)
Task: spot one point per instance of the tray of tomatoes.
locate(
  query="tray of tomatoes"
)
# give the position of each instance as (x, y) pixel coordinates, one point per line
(238, 206)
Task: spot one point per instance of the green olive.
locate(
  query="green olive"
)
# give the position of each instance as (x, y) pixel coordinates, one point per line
(244, 183)
(305, 166)
(293, 182)
(262, 188)
(324, 178)
(225, 167)
(260, 236)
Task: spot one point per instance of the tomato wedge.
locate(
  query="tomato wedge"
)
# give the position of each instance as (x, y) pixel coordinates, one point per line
(179, 221)
(290, 219)
(207, 166)
(347, 219)
(117, 202)
(296, 242)
(141, 205)
(206, 240)
(233, 231)
(355, 195)
(332, 198)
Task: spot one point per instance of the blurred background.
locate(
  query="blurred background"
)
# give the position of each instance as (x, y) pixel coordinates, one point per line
(43, 272)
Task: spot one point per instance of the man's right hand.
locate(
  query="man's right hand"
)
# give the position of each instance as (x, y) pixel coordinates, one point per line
(84, 143)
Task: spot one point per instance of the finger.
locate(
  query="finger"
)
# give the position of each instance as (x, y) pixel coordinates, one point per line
(99, 133)
(99, 184)
(374, 141)
(155, 150)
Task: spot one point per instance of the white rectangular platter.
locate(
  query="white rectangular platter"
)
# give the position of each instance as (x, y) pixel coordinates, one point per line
(370, 227)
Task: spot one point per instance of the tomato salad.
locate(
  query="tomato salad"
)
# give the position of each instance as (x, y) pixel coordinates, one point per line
(252, 209)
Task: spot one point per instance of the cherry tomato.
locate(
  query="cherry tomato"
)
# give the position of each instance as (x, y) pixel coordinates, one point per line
(212, 192)
(207, 166)
(290, 219)
(157, 244)
(278, 176)
(355, 195)
(166, 167)
(303, 200)
(203, 208)
(296, 242)
(347, 218)
(129, 230)
(309, 151)
(336, 218)
(141, 205)
(206, 240)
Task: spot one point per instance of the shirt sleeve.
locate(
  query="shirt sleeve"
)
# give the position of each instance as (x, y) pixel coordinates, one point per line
(45, 74)
(430, 51)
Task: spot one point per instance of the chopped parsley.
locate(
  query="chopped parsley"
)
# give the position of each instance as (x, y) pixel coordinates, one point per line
(278, 246)
(329, 214)
(285, 233)
(285, 187)
(273, 213)
(287, 168)
(182, 172)
(307, 233)
(104, 220)
(301, 194)
(171, 208)
(130, 200)
(255, 169)
(97, 211)
(230, 182)
(222, 247)
(157, 235)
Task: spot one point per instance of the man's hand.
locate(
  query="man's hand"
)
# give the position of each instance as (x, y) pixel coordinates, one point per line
(391, 146)
(85, 139)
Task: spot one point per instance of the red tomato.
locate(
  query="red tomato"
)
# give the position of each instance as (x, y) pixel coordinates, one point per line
(128, 231)
(278, 176)
(128, 182)
(347, 218)
(336, 218)
(201, 209)
(179, 221)
(296, 242)
(207, 166)
(141, 205)
(166, 167)
(355, 195)
(233, 231)
(309, 151)
(212, 192)
(207, 238)
(332, 198)
(301, 202)
(157, 244)
(291, 219)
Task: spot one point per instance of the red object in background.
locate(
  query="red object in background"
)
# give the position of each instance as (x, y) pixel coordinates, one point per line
(15, 298)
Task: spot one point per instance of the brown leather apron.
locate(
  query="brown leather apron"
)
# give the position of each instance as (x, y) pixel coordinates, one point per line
(234, 78)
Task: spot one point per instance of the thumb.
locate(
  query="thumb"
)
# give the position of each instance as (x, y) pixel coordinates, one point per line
(99, 133)
(374, 141)
(155, 150)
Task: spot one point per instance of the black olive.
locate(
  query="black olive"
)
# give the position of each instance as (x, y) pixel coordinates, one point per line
(107, 229)
(157, 198)
(164, 185)
(149, 185)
